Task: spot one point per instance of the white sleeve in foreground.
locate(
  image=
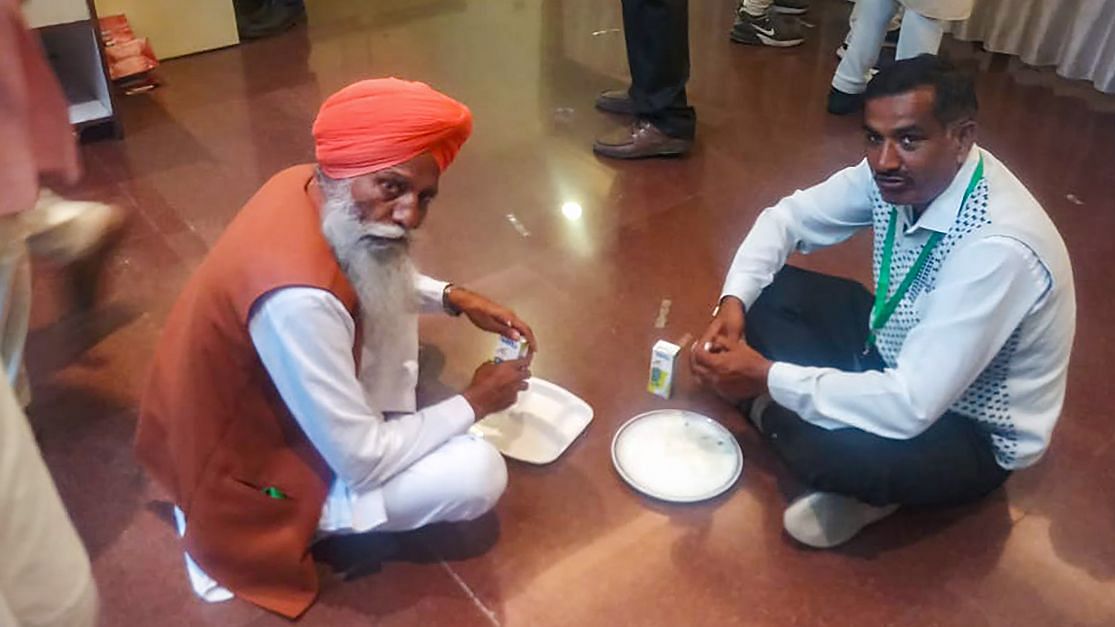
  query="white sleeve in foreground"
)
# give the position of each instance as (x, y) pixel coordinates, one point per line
(983, 292)
(304, 337)
(825, 214)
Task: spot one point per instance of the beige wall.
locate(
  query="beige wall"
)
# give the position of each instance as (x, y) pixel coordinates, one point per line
(48, 12)
(178, 27)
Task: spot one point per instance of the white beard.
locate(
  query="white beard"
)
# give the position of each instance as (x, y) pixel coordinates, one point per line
(376, 260)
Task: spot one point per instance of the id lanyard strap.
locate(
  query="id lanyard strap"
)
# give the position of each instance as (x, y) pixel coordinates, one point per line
(884, 307)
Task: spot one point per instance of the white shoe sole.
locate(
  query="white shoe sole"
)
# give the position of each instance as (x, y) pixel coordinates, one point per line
(758, 407)
(790, 10)
(779, 43)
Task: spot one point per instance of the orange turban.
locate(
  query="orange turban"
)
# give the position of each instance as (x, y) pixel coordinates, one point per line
(375, 124)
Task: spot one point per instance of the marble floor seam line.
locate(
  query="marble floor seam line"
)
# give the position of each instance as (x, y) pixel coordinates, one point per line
(489, 614)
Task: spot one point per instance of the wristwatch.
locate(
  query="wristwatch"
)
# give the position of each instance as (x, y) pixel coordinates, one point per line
(446, 304)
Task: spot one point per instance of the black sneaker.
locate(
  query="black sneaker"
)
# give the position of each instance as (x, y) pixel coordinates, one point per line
(791, 7)
(841, 103)
(766, 30)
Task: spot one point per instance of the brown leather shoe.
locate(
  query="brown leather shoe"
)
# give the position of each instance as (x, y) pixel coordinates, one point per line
(615, 101)
(638, 141)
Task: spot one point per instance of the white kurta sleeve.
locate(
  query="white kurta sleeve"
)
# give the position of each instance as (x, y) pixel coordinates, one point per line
(998, 279)
(304, 337)
(430, 291)
(823, 215)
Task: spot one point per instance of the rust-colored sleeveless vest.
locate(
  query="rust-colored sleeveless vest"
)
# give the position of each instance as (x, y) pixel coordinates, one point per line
(212, 427)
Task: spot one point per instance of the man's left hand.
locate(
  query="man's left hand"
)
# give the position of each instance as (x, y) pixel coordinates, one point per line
(490, 316)
(736, 371)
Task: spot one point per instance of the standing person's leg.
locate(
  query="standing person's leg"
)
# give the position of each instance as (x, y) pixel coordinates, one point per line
(76, 235)
(15, 303)
(657, 37)
(45, 577)
(658, 57)
(864, 43)
(890, 41)
(757, 22)
(919, 35)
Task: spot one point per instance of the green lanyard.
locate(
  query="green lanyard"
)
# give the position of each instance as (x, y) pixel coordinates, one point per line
(884, 307)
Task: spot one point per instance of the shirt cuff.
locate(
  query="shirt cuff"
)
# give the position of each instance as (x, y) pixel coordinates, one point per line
(456, 412)
(430, 291)
(784, 380)
(742, 288)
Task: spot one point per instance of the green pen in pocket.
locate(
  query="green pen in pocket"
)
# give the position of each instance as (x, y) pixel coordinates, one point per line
(274, 492)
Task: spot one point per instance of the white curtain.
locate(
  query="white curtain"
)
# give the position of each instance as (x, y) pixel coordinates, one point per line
(1076, 36)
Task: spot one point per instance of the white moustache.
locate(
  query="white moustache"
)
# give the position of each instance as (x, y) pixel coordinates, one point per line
(384, 231)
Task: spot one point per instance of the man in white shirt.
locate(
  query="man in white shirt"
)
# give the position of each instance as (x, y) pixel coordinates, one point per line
(953, 376)
(281, 405)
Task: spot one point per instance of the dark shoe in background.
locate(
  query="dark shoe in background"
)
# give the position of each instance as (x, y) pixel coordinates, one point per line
(769, 29)
(640, 140)
(840, 103)
(615, 101)
(256, 19)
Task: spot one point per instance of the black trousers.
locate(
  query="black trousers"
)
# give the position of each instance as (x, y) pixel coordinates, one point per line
(657, 34)
(812, 319)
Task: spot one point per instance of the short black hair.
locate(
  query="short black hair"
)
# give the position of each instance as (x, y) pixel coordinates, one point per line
(954, 90)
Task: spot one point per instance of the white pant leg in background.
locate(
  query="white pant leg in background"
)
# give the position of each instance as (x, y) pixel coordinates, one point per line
(757, 7)
(45, 577)
(864, 43)
(919, 35)
(895, 22)
(15, 303)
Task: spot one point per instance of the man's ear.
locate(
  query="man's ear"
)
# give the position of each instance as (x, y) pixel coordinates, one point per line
(964, 134)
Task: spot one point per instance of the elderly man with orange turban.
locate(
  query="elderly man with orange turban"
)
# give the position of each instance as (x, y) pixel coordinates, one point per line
(281, 405)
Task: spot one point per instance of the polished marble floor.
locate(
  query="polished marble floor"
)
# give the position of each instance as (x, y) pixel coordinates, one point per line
(570, 544)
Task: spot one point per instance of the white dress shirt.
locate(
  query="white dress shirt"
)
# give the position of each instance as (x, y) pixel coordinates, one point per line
(985, 329)
(305, 337)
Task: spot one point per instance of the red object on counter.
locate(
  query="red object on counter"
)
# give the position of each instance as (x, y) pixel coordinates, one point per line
(128, 55)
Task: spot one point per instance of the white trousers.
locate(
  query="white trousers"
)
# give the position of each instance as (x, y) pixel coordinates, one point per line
(460, 480)
(45, 577)
(919, 35)
(895, 22)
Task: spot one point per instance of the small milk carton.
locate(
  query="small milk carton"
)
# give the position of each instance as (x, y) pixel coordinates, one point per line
(508, 349)
(663, 358)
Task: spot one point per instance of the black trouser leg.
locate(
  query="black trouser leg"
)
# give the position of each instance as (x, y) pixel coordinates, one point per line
(657, 34)
(811, 319)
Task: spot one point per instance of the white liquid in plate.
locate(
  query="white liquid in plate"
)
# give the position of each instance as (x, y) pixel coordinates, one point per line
(677, 455)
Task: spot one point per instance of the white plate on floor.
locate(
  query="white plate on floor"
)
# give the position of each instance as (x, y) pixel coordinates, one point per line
(539, 426)
(677, 455)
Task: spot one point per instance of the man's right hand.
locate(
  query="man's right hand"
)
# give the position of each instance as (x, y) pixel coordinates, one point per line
(496, 387)
(726, 328)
